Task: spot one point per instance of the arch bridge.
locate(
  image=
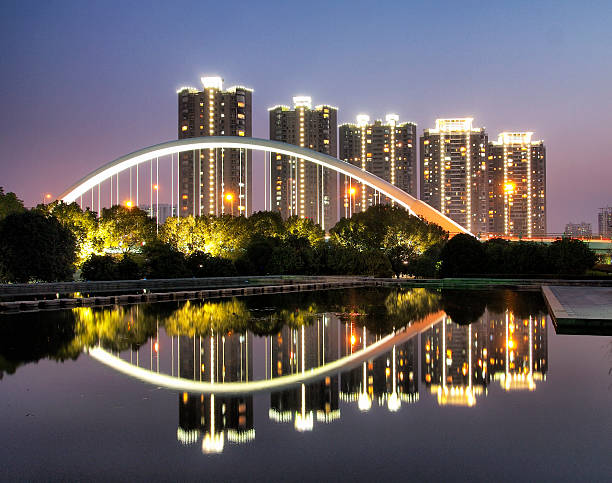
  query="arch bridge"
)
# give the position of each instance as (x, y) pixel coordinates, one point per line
(93, 183)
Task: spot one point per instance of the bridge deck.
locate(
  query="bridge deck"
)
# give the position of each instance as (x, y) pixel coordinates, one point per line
(580, 309)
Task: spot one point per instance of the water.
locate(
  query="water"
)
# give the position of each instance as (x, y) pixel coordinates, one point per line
(353, 384)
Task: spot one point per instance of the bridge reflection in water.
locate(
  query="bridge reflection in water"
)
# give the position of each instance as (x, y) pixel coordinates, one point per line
(456, 363)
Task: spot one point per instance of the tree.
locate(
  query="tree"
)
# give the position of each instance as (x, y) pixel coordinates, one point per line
(402, 237)
(267, 223)
(33, 247)
(9, 204)
(304, 228)
(82, 224)
(128, 268)
(99, 267)
(570, 256)
(462, 255)
(257, 256)
(225, 236)
(127, 229)
(163, 261)
(186, 234)
(202, 264)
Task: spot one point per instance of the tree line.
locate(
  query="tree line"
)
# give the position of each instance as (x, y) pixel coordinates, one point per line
(53, 241)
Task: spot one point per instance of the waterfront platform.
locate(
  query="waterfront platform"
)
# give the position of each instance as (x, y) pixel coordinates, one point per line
(580, 310)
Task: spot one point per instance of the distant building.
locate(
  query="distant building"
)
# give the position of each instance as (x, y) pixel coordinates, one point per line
(299, 187)
(162, 211)
(207, 176)
(578, 229)
(516, 185)
(604, 219)
(453, 167)
(386, 149)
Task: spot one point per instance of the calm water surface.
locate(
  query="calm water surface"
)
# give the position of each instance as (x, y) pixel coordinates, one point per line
(352, 384)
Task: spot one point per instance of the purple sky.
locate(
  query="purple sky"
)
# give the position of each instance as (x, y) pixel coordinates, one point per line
(85, 82)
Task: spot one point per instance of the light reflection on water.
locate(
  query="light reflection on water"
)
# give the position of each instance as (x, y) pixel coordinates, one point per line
(211, 342)
(365, 383)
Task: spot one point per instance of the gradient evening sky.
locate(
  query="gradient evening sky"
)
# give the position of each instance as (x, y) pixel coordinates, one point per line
(85, 82)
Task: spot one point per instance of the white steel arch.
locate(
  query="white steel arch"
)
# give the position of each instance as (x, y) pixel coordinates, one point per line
(396, 194)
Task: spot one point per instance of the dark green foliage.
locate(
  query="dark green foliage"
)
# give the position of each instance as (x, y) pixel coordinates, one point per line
(428, 264)
(570, 256)
(33, 247)
(9, 204)
(373, 263)
(163, 261)
(202, 264)
(266, 223)
(462, 255)
(505, 257)
(128, 268)
(100, 267)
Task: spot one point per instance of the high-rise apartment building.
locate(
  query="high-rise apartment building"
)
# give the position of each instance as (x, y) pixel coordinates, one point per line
(453, 167)
(386, 149)
(299, 187)
(207, 177)
(516, 172)
(578, 229)
(604, 220)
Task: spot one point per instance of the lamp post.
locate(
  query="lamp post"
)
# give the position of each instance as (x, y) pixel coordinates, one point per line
(230, 198)
(352, 192)
(509, 190)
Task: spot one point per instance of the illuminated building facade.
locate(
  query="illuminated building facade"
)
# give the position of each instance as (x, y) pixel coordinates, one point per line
(604, 220)
(386, 149)
(298, 187)
(516, 172)
(453, 167)
(207, 177)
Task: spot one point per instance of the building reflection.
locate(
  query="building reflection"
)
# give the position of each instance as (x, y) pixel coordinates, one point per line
(294, 351)
(389, 379)
(218, 358)
(519, 350)
(459, 361)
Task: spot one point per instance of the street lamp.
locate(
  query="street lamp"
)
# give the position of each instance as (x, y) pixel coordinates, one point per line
(129, 204)
(230, 198)
(509, 190)
(352, 192)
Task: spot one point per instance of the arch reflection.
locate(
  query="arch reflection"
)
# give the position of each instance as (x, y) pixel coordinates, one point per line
(314, 362)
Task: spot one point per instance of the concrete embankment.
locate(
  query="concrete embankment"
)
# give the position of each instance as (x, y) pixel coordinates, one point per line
(15, 298)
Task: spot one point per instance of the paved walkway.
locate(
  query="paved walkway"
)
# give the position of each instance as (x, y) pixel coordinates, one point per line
(580, 307)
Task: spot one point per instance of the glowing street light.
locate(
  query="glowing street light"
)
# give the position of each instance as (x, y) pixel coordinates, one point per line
(509, 190)
(352, 193)
(230, 199)
(129, 204)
